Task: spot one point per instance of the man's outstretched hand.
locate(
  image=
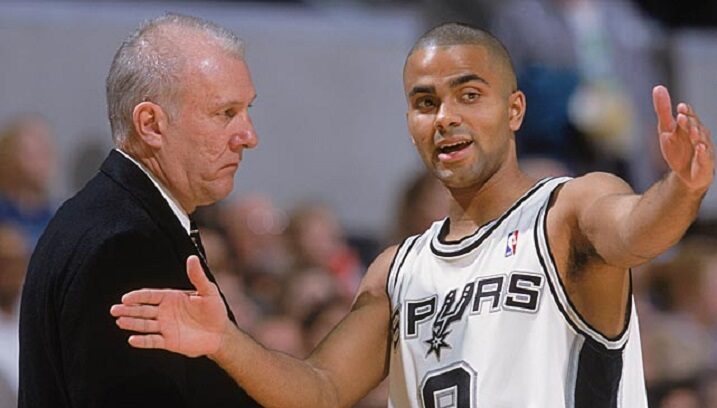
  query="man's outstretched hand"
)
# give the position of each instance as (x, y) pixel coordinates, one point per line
(190, 323)
(685, 142)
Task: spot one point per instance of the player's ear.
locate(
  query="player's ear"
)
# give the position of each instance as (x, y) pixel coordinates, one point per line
(516, 110)
(150, 122)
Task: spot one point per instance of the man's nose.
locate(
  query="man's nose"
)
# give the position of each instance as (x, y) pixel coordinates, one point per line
(244, 138)
(446, 118)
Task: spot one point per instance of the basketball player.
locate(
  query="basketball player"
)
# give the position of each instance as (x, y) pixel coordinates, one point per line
(520, 298)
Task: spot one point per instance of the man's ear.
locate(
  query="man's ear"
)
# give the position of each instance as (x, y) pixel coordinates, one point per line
(516, 110)
(150, 123)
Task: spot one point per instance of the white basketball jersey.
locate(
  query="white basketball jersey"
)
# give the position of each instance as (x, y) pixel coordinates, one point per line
(485, 322)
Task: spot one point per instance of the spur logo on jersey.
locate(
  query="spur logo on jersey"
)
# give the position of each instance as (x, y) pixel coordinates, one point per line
(512, 244)
(516, 292)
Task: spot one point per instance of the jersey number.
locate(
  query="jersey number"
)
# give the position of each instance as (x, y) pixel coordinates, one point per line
(451, 387)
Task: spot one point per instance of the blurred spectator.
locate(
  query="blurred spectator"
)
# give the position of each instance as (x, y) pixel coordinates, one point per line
(684, 13)
(255, 228)
(541, 167)
(587, 68)
(317, 240)
(708, 389)
(88, 159)
(27, 165)
(474, 12)
(308, 289)
(679, 335)
(322, 319)
(280, 333)
(423, 201)
(682, 397)
(14, 256)
(255, 231)
(233, 288)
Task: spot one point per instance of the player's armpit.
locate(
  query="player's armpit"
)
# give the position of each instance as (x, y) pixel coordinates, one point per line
(624, 228)
(600, 203)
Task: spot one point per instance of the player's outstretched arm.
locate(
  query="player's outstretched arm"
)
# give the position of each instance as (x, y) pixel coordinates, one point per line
(628, 229)
(346, 365)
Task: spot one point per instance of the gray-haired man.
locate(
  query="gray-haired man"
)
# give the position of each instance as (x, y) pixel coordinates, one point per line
(178, 95)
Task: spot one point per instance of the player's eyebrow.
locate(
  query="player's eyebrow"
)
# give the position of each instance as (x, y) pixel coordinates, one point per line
(466, 78)
(422, 89)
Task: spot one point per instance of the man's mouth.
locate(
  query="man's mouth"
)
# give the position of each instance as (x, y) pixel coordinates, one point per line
(453, 151)
(232, 166)
(454, 147)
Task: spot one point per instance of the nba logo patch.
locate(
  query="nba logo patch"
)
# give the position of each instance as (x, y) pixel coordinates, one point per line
(512, 245)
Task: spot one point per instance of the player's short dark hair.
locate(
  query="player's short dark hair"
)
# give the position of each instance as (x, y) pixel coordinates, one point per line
(454, 33)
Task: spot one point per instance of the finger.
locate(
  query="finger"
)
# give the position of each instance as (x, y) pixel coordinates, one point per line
(138, 325)
(147, 341)
(143, 311)
(703, 161)
(198, 278)
(690, 111)
(144, 296)
(695, 131)
(683, 123)
(663, 108)
(704, 133)
(683, 108)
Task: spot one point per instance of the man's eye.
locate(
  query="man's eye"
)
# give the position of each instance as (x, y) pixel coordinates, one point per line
(470, 96)
(230, 113)
(425, 103)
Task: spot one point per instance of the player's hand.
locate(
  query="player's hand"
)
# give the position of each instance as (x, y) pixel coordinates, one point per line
(190, 323)
(685, 142)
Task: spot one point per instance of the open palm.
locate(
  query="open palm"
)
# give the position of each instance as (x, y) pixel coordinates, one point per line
(685, 142)
(190, 323)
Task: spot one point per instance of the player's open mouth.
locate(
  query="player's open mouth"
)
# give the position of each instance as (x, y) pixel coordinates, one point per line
(453, 151)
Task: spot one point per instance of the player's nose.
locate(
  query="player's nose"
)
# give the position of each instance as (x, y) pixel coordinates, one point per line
(446, 118)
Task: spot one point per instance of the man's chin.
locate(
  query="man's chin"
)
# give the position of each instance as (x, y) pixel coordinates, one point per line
(456, 181)
(449, 178)
(217, 193)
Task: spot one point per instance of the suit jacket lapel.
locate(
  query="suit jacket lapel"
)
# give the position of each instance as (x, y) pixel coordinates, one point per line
(132, 178)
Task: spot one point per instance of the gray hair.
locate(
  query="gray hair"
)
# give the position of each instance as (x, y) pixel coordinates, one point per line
(148, 64)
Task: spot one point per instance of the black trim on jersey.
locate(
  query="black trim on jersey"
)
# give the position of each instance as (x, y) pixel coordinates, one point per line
(393, 261)
(598, 378)
(553, 290)
(444, 228)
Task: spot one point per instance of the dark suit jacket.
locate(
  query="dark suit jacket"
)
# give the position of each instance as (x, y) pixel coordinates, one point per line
(117, 234)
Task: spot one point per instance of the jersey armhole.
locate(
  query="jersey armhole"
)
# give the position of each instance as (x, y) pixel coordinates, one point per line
(397, 262)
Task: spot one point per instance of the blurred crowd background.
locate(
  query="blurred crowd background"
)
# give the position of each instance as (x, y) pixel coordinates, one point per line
(338, 180)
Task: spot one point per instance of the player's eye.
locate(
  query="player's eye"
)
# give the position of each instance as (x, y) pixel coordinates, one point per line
(425, 103)
(470, 96)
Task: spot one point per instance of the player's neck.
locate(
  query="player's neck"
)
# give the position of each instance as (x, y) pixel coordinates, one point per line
(472, 208)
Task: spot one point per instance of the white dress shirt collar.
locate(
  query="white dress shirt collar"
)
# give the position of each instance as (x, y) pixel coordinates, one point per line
(173, 204)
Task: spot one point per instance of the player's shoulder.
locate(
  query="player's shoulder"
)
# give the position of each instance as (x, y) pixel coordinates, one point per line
(375, 279)
(382, 264)
(580, 193)
(591, 186)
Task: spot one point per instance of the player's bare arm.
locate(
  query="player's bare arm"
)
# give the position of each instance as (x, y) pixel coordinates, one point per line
(600, 227)
(347, 364)
(627, 229)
